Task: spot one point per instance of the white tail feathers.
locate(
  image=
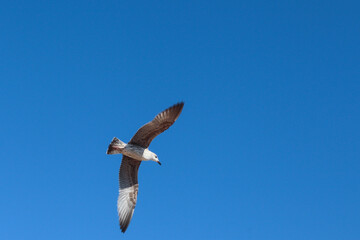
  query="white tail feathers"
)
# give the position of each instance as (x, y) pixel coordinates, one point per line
(116, 146)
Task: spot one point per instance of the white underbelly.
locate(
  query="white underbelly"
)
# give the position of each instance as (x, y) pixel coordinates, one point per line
(134, 152)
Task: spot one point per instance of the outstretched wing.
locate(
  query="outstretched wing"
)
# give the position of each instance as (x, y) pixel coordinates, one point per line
(160, 123)
(128, 190)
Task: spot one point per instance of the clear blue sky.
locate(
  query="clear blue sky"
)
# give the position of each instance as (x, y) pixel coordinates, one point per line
(267, 146)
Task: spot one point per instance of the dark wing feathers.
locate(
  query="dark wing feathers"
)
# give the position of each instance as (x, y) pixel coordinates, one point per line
(160, 123)
(128, 179)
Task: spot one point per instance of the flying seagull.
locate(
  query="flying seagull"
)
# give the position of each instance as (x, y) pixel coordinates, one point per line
(133, 153)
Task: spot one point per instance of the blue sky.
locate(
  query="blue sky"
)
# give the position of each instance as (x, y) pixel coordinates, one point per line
(267, 146)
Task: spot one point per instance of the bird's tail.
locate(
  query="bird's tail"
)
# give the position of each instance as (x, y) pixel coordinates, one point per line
(116, 146)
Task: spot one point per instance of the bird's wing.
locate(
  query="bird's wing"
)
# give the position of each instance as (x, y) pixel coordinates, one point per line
(160, 123)
(128, 190)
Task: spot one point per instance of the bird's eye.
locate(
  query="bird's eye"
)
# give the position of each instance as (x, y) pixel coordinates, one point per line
(155, 156)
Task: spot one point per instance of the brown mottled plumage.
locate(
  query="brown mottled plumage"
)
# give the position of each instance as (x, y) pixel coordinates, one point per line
(128, 180)
(160, 123)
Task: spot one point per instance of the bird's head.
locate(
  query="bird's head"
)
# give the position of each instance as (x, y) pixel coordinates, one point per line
(148, 155)
(156, 159)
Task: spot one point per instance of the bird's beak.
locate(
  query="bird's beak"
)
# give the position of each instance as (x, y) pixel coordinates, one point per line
(159, 162)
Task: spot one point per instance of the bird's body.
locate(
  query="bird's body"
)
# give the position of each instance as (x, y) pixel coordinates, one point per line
(133, 153)
(138, 153)
(131, 150)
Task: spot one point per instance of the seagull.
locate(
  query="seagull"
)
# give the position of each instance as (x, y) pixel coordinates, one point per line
(133, 153)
